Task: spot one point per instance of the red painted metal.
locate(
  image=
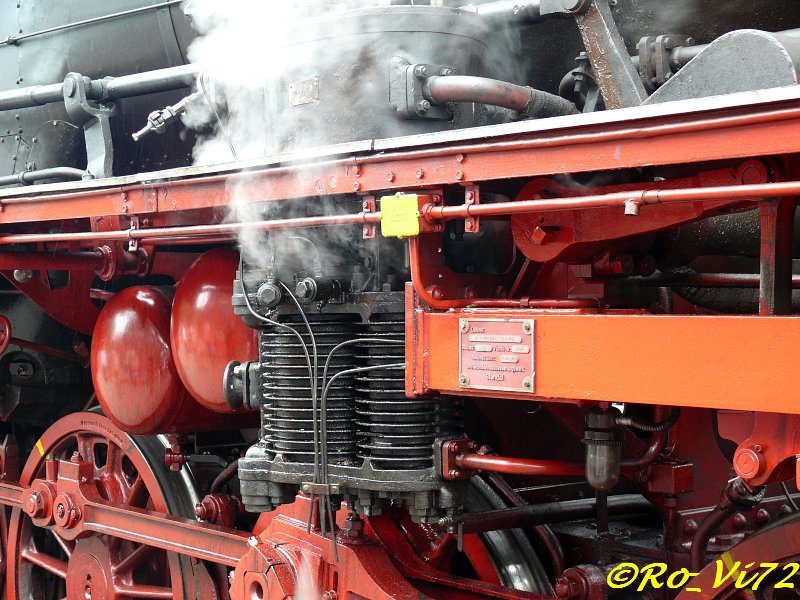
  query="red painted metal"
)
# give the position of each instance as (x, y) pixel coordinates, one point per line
(134, 374)
(597, 365)
(634, 139)
(70, 305)
(122, 476)
(205, 333)
(6, 340)
(46, 261)
(518, 466)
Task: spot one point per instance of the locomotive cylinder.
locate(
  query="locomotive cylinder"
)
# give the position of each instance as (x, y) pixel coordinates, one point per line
(373, 48)
(205, 333)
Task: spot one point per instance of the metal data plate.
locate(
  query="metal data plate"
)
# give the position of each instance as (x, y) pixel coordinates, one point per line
(497, 354)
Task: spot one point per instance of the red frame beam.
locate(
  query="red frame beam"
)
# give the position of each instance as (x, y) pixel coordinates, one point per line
(575, 144)
(720, 362)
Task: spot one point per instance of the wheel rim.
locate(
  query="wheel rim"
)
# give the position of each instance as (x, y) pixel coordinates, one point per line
(127, 472)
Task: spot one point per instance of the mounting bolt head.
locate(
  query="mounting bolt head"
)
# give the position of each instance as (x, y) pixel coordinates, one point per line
(421, 71)
(34, 505)
(748, 463)
(23, 275)
(543, 234)
(463, 380)
(423, 106)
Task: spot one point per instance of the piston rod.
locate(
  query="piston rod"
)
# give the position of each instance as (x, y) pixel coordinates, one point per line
(549, 513)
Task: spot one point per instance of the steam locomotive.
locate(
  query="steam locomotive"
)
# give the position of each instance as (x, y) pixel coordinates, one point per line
(399, 299)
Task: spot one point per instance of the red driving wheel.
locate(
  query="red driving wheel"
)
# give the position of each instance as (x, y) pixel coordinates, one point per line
(128, 471)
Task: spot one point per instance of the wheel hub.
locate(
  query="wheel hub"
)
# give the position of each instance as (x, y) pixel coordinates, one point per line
(90, 571)
(90, 575)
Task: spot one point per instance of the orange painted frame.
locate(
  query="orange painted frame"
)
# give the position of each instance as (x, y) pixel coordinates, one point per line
(719, 362)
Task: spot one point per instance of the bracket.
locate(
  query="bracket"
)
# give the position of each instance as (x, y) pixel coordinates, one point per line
(370, 205)
(472, 197)
(406, 83)
(95, 118)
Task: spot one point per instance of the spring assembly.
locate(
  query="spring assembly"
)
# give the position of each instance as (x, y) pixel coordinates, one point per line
(395, 432)
(287, 411)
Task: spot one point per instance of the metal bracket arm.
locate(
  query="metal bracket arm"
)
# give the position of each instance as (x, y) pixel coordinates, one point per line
(72, 508)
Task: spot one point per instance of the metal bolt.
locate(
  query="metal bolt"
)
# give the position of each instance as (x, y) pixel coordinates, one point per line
(446, 72)
(454, 474)
(356, 186)
(739, 521)
(61, 510)
(421, 71)
(390, 177)
(527, 384)
(34, 506)
(463, 380)
(23, 275)
(423, 106)
(563, 588)
(464, 325)
(690, 526)
(632, 208)
(459, 177)
(527, 327)
(420, 173)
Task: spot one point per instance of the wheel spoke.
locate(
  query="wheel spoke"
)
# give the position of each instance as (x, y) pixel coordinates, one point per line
(113, 458)
(144, 591)
(85, 447)
(67, 547)
(46, 562)
(135, 559)
(138, 494)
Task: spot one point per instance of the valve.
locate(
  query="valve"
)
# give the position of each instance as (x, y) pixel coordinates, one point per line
(159, 120)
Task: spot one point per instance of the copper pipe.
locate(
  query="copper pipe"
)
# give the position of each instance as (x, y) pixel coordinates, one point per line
(631, 199)
(518, 466)
(627, 200)
(194, 230)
